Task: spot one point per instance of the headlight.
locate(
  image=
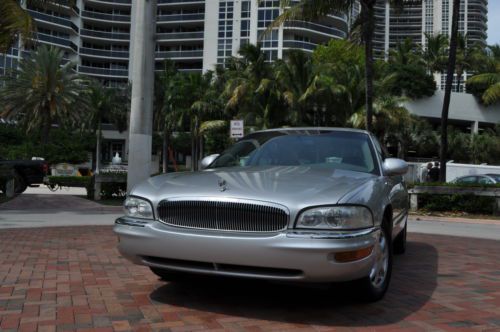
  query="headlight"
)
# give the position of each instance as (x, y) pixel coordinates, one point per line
(336, 218)
(138, 208)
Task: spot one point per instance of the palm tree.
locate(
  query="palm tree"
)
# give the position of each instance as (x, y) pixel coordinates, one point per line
(44, 91)
(452, 59)
(468, 57)
(106, 104)
(434, 52)
(15, 21)
(314, 9)
(487, 85)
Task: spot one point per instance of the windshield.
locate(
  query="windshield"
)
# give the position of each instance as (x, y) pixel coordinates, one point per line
(340, 150)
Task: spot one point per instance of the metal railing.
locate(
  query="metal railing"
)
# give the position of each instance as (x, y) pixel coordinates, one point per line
(103, 71)
(181, 17)
(104, 53)
(179, 35)
(106, 17)
(179, 54)
(105, 34)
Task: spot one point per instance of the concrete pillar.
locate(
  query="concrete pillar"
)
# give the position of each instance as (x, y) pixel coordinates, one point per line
(387, 29)
(413, 202)
(142, 61)
(474, 128)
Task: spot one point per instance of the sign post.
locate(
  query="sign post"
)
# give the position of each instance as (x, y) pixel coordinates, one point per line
(237, 129)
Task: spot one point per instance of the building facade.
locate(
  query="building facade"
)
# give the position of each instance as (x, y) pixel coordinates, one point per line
(195, 34)
(432, 17)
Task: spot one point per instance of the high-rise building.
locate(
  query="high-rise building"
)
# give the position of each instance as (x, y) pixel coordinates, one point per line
(432, 17)
(195, 34)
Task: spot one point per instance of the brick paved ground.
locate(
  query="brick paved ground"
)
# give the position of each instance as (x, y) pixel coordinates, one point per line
(74, 279)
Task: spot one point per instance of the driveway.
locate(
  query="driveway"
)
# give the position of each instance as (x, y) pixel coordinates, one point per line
(72, 278)
(47, 209)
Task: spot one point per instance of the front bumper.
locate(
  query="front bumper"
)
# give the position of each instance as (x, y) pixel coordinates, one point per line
(291, 255)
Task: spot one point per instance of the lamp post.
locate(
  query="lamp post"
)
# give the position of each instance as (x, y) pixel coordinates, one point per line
(141, 74)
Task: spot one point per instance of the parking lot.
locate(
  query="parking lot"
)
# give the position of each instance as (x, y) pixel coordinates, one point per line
(72, 278)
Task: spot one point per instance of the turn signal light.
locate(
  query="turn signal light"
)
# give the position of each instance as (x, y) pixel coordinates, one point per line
(351, 256)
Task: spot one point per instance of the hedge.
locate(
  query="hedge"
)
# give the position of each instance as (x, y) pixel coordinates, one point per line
(458, 202)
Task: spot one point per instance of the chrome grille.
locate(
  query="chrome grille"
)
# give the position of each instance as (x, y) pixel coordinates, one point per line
(223, 216)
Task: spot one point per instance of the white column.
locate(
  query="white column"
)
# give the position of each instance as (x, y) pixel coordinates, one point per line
(474, 128)
(210, 42)
(142, 76)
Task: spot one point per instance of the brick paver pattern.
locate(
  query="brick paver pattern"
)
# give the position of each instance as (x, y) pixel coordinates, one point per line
(73, 279)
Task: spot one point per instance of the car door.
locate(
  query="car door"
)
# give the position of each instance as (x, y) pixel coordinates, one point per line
(397, 193)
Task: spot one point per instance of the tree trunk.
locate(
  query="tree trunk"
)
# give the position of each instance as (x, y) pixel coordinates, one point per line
(47, 123)
(367, 26)
(98, 149)
(166, 135)
(452, 59)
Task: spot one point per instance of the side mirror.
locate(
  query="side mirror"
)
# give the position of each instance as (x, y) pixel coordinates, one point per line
(205, 162)
(394, 166)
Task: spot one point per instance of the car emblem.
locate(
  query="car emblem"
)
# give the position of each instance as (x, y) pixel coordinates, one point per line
(222, 185)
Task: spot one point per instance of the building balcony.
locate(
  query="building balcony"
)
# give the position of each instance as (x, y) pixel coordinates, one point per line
(315, 28)
(126, 3)
(57, 41)
(185, 55)
(105, 17)
(105, 35)
(300, 45)
(104, 53)
(168, 36)
(103, 71)
(174, 2)
(42, 17)
(180, 18)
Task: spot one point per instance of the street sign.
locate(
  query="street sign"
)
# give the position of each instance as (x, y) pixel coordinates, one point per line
(237, 130)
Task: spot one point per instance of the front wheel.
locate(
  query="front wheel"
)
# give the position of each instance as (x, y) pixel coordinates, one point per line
(375, 285)
(19, 184)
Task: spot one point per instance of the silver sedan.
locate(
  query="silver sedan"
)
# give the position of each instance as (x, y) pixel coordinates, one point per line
(301, 204)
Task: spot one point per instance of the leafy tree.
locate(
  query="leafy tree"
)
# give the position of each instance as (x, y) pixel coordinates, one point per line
(434, 52)
(15, 21)
(406, 74)
(314, 9)
(109, 105)
(469, 56)
(486, 85)
(44, 91)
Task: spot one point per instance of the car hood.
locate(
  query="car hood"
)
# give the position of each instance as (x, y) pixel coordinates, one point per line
(297, 186)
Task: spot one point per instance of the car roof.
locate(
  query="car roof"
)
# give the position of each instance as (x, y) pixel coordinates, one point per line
(298, 129)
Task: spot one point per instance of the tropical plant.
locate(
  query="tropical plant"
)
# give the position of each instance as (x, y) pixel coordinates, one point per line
(486, 85)
(43, 91)
(406, 74)
(108, 105)
(16, 22)
(434, 52)
(314, 9)
(468, 57)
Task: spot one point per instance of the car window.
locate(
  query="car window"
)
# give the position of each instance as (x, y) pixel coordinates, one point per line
(467, 180)
(484, 180)
(340, 150)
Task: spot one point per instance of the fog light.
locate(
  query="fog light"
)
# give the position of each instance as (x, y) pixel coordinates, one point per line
(351, 256)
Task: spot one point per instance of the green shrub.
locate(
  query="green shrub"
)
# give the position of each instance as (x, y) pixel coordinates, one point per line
(458, 202)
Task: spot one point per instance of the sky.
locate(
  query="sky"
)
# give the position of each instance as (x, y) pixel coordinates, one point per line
(493, 22)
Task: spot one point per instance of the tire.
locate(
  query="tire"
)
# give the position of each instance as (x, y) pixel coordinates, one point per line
(19, 184)
(399, 244)
(374, 286)
(166, 275)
